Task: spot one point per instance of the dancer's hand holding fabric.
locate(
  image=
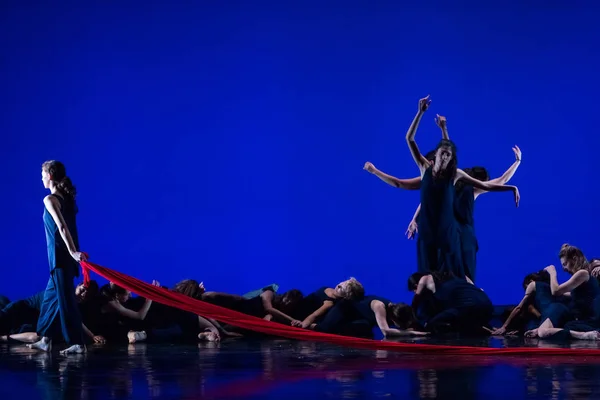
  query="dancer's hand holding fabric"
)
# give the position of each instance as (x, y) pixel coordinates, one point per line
(79, 256)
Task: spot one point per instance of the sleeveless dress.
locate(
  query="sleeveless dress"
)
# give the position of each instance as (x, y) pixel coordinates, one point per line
(585, 306)
(364, 311)
(438, 242)
(312, 302)
(59, 312)
(464, 207)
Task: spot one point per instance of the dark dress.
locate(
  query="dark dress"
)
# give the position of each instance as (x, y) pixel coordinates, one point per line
(59, 311)
(312, 303)
(364, 310)
(438, 242)
(21, 315)
(585, 306)
(463, 307)
(464, 207)
(549, 307)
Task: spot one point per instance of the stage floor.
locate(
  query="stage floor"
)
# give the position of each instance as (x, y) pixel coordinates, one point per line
(286, 369)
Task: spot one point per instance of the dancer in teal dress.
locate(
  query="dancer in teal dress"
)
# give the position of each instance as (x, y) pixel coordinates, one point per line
(59, 312)
(438, 244)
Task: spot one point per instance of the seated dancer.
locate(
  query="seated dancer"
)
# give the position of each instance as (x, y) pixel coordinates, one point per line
(161, 319)
(18, 320)
(438, 244)
(459, 305)
(584, 291)
(464, 204)
(553, 312)
(113, 320)
(315, 306)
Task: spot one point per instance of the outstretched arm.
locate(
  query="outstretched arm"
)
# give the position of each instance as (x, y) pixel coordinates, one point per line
(528, 292)
(442, 124)
(413, 227)
(381, 317)
(506, 176)
(487, 186)
(408, 184)
(420, 160)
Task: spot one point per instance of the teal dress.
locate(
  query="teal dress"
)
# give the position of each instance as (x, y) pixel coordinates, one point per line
(438, 243)
(59, 311)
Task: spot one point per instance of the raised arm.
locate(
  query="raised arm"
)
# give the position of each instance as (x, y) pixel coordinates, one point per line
(528, 292)
(487, 186)
(577, 279)
(440, 121)
(420, 160)
(506, 176)
(408, 184)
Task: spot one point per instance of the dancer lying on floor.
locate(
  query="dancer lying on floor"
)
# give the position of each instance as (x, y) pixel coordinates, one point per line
(18, 319)
(584, 291)
(315, 306)
(553, 311)
(457, 305)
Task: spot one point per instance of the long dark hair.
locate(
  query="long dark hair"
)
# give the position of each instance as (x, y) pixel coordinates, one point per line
(540, 276)
(450, 170)
(58, 173)
(479, 173)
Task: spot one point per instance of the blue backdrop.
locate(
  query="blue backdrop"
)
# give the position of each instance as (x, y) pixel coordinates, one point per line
(224, 141)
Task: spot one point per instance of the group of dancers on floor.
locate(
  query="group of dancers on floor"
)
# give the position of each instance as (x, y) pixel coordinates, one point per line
(446, 298)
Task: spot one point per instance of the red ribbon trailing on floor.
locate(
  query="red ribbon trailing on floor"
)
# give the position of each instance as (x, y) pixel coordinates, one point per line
(183, 302)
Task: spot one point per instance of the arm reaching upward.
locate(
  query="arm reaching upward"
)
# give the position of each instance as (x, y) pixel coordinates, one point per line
(506, 176)
(440, 121)
(487, 186)
(412, 131)
(408, 184)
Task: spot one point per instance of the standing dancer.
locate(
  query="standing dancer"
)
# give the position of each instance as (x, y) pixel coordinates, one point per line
(59, 308)
(439, 230)
(464, 204)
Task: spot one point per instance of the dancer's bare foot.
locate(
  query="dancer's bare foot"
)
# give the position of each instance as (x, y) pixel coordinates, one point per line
(134, 337)
(44, 344)
(75, 349)
(593, 335)
(532, 333)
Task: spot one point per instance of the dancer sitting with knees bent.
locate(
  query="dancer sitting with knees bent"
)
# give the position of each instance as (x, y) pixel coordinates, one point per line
(553, 311)
(585, 296)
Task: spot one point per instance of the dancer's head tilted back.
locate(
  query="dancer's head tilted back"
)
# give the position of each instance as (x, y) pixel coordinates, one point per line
(572, 258)
(445, 163)
(350, 289)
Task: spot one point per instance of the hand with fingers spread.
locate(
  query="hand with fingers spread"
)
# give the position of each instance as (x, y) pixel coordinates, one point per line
(499, 332)
(412, 230)
(424, 104)
(440, 121)
(517, 151)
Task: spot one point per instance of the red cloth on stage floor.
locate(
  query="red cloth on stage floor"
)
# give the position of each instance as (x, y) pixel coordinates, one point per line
(183, 302)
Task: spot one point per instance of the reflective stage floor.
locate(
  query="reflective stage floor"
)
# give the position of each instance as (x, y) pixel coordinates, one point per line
(285, 369)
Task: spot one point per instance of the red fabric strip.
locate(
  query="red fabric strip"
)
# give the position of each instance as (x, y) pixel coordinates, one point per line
(240, 320)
